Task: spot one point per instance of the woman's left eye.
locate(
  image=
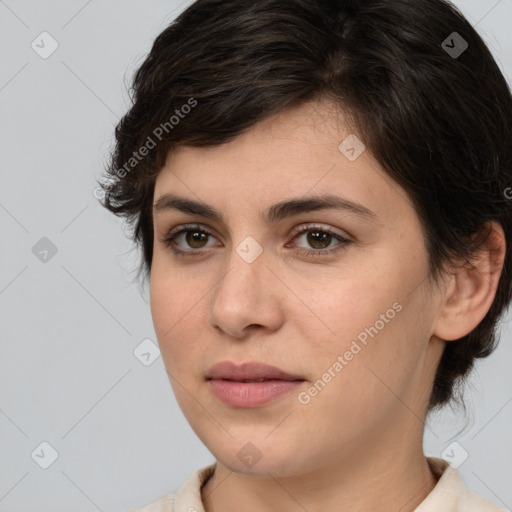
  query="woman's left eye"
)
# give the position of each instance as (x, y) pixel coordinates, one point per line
(321, 240)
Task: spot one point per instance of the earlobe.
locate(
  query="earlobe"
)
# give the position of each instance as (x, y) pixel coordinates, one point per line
(471, 288)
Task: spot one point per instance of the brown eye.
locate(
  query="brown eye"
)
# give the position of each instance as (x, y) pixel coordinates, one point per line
(196, 239)
(189, 239)
(319, 239)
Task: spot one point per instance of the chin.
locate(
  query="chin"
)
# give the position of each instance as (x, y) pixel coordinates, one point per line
(259, 456)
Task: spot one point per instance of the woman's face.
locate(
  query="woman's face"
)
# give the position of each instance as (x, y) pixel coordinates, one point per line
(334, 295)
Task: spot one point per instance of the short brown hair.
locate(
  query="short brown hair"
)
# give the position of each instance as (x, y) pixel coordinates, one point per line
(437, 115)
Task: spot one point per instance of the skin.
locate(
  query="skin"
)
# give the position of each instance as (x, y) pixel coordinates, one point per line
(358, 442)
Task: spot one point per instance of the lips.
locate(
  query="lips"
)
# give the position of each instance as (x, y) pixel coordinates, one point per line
(250, 385)
(248, 372)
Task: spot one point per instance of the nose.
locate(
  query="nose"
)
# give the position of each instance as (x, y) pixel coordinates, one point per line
(247, 298)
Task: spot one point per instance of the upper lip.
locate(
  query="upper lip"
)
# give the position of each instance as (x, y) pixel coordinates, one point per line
(248, 371)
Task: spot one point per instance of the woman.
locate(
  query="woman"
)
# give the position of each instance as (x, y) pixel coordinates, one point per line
(318, 189)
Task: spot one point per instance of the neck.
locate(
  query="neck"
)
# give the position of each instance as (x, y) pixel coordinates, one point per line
(396, 479)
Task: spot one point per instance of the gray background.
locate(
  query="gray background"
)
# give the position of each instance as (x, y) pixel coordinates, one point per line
(69, 324)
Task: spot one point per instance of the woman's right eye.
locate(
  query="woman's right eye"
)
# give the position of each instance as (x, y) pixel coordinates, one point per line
(188, 239)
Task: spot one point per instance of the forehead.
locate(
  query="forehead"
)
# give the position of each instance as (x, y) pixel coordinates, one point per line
(303, 150)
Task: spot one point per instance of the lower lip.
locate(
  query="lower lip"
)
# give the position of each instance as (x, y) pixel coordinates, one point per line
(251, 394)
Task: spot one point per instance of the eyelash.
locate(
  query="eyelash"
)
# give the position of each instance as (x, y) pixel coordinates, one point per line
(169, 239)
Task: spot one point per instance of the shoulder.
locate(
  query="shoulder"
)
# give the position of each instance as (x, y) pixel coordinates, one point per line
(450, 494)
(471, 502)
(186, 499)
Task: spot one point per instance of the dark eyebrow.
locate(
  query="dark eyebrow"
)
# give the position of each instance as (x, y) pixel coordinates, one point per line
(314, 203)
(171, 202)
(276, 212)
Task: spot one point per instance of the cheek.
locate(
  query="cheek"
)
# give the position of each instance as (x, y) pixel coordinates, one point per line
(178, 314)
(371, 379)
(346, 306)
(375, 325)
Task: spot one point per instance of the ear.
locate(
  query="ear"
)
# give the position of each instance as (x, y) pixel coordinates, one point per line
(471, 288)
